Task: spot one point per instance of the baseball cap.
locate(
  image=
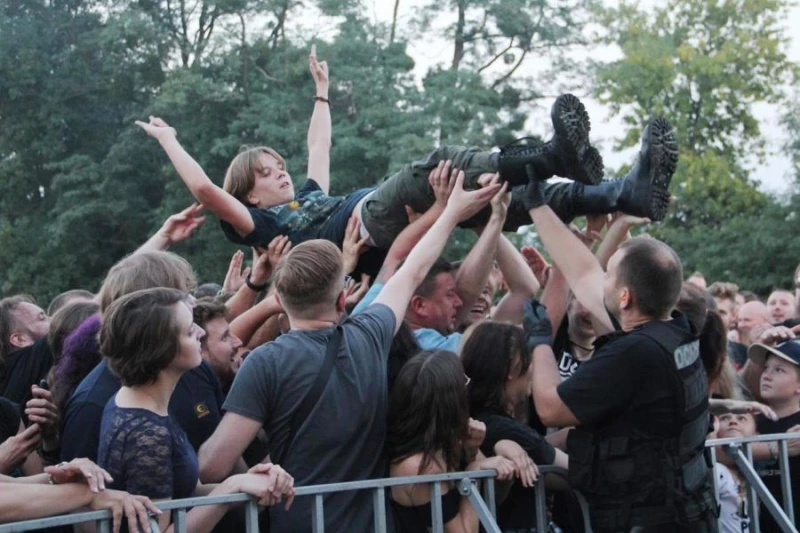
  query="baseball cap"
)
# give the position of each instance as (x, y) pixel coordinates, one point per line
(788, 351)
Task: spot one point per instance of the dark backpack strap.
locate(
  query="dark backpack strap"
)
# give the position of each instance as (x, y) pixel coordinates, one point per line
(314, 393)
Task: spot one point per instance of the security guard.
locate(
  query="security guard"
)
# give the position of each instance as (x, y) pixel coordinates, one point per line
(639, 406)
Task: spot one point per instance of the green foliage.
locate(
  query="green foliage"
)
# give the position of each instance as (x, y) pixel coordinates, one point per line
(703, 64)
(81, 186)
(758, 251)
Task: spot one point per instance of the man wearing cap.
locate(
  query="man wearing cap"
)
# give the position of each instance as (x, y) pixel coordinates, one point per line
(779, 389)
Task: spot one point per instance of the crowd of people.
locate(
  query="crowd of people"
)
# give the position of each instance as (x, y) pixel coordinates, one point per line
(350, 349)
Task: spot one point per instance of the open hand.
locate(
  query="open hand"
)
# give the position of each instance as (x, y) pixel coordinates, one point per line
(267, 259)
(501, 200)
(236, 276)
(157, 128)
(442, 181)
(537, 263)
(465, 204)
(354, 244)
(181, 226)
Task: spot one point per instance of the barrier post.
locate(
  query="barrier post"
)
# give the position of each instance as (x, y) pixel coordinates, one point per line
(489, 494)
(179, 521)
(318, 515)
(541, 505)
(379, 506)
(468, 489)
(251, 517)
(436, 508)
(786, 480)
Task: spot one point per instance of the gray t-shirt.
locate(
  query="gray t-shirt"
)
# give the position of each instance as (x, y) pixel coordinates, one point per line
(342, 439)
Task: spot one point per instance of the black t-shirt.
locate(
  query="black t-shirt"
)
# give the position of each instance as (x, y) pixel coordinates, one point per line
(516, 511)
(629, 375)
(9, 419)
(737, 354)
(312, 215)
(195, 404)
(25, 367)
(770, 470)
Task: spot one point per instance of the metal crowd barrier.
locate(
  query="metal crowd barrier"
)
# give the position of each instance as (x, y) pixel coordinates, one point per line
(465, 483)
(741, 451)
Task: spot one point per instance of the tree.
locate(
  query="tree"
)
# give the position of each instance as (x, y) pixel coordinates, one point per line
(792, 147)
(702, 64)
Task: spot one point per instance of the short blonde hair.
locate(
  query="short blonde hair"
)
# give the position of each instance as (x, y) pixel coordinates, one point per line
(310, 278)
(241, 174)
(145, 270)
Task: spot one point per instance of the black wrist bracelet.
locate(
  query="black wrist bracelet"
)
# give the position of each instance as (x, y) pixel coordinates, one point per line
(253, 287)
(322, 99)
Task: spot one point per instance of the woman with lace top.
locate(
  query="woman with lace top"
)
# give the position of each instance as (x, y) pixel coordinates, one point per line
(150, 340)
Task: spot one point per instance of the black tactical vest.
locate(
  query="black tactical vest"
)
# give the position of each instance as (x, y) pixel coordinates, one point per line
(622, 472)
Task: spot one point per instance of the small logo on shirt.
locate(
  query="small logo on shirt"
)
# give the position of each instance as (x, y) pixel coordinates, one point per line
(201, 410)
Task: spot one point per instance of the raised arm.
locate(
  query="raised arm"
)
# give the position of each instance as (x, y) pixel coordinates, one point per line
(246, 324)
(419, 225)
(474, 271)
(175, 229)
(263, 266)
(319, 131)
(576, 262)
(462, 205)
(618, 232)
(522, 284)
(213, 198)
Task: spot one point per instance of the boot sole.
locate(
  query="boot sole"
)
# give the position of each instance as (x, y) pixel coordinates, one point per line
(663, 163)
(572, 126)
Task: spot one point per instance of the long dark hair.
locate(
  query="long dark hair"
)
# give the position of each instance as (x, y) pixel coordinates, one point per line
(488, 354)
(404, 347)
(428, 410)
(697, 305)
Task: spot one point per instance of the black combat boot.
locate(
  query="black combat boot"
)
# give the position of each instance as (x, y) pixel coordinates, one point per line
(644, 192)
(567, 154)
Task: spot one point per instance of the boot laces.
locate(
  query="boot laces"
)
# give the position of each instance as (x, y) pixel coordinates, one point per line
(516, 148)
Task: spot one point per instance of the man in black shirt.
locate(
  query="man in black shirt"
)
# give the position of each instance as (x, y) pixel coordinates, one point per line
(640, 404)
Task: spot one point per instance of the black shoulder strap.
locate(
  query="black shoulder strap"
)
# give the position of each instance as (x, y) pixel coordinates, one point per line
(312, 396)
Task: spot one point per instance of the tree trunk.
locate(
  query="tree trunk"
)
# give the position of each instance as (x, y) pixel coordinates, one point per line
(394, 20)
(458, 53)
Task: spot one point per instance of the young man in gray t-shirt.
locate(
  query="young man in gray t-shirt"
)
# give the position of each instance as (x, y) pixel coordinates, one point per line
(342, 438)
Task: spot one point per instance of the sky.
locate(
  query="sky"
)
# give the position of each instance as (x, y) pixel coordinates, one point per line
(775, 176)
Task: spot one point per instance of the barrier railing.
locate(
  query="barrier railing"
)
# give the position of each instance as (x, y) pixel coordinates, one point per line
(465, 483)
(740, 449)
(756, 489)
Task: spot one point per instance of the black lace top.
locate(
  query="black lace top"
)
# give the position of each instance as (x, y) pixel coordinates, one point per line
(146, 453)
